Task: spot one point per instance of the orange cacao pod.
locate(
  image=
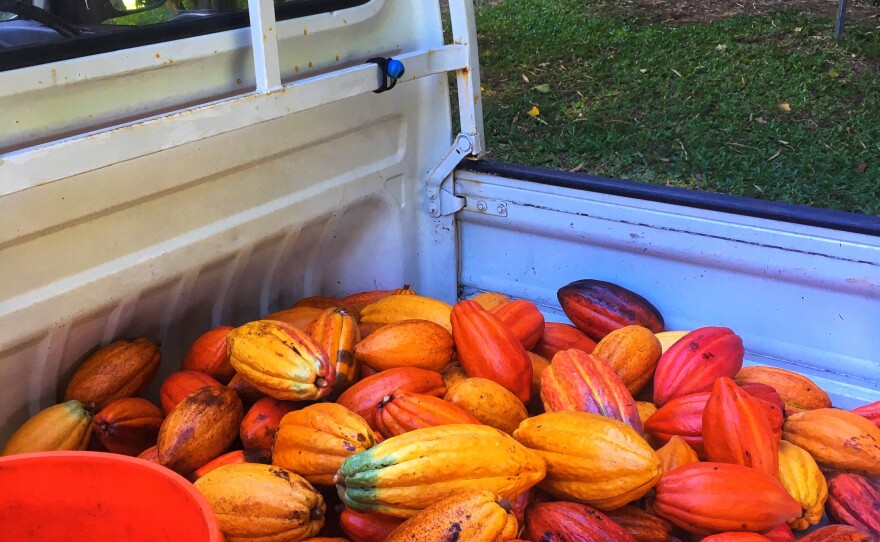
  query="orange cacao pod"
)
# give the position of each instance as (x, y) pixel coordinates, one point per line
(208, 355)
(490, 300)
(706, 498)
(597, 308)
(489, 402)
(403, 412)
(693, 363)
(336, 331)
(676, 453)
(61, 427)
(524, 319)
(558, 337)
(368, 328)
(453, 374)
(570, 521)
(855, 501)
(300, 317)
(128, 426)
(797, 391)
(408, 343)
(121, 369)
(585, 382)
(324, 303)
(870, 412)
(644, 526)
(488, 349)
(736, 430)
(258, 427)
(367, 526)
(364, 395)
(839, 533)
(539, 364)
(633, 352)
(180, 384)
(837, 439)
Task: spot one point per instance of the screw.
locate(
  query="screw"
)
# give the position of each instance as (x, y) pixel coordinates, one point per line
(502, 209)
(481, 205)
(432, 209)
(432, 194)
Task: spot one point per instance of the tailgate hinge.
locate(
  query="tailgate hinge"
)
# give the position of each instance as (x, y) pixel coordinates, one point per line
(439, 189)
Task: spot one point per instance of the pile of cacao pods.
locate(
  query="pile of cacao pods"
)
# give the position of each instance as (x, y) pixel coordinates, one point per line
(387, 415)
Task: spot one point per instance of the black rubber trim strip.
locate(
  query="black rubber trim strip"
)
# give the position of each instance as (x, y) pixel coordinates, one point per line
(128, 37)
(784, 212)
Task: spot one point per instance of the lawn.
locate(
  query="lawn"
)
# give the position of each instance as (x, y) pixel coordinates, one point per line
(763, 105)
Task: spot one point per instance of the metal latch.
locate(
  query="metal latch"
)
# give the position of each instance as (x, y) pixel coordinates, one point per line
(439, 189)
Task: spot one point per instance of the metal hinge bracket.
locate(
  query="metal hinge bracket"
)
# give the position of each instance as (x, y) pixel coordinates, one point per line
(439, 188)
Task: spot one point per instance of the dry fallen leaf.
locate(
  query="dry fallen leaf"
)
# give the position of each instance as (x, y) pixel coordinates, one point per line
(798, 28)
(642, 70)
(534, 111)
(526, 79)
(784, 106)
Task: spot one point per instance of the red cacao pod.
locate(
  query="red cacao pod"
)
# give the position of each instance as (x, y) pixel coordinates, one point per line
(576, 380)
(245, 390)
(402, 412)
(208, 355)
(643, 525)
(180, 384)
(229, 458)
(364, 395)
(572, 522)
(366, 526)
(781, 533)
(855, 501)
(736, 537)
(524, 320)
(488, 349)
(871, 412)
(128, 426)
(597, 308)
(692, 364)
(736, 430)
(258, 427)
(707, 498)
(558, 337)
(839, 533)
(151, 454)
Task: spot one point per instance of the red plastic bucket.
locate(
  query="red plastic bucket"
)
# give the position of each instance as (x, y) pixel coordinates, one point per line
(79, 496)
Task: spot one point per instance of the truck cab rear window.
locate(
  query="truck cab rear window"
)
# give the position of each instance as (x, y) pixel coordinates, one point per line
(42, 31)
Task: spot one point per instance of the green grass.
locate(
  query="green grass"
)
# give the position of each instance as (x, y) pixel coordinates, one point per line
(696, 106)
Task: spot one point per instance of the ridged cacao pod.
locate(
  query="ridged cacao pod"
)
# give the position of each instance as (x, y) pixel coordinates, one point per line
(121, 369)
(839, 533)
(837, 439)
(633, 352)
(539, 365)
(262, 503)
(855, 501)
(300, 317)
(397, 308)
(585, 382)
(558, 337)
(524, 319)
(408, 343)
(676, 453)
(646, 410)
(782, 533)
(488, 349)
(410, 472)
(361, 300)
(693, 363)
(337, 333)
(367, 527)
(736, 537)
(736, 430)
(208, 355)
(364, 395)
(229, 458)
(572, 522)
(577, 446)
(260, 423)
(870, 411)
(490, 300)
(403, 412)
(313, 442)
(668, 338)
(128, 426)
(474, 516)
(597, 308)
(324, 303)
(683, 416)
(797, 391)
(643, 525)
(61, 427)
(801, 476)
(199, 428)
(489, 402)
(281, 361)
(180, 384)
(707, 498)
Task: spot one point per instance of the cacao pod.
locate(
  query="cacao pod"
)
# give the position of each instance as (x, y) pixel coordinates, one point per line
(668, 338)
(837, 439)
(453, 374)
(804, 481)
(248, 393)
(693, 363)
(633, 352)
(128, 426)
(361, 300)
(367, 527)
(488, 349)
(558, 337)
(572, 522)
(121, 369)
(734, 536)
(578, 448)
(65, 426)
(324, 303)
(364, 395)
(337, 333)
(490, 300)
(676, 453)
(597, 308)
(208, 355)
(490, 402)
(259, 425)
(408, 343)
(403, 412)
(644, 526)
(839, 533)
(229, 458)
(539, 364)
(782, 533)
(474, 516)
(180, 384)
(151, 454)
(396, 308)
(300, 317)
(870, 412)
(797, 391)
(524, 319)
(855, 501)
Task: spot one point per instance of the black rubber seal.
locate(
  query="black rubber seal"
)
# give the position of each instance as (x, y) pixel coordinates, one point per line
(772, 210)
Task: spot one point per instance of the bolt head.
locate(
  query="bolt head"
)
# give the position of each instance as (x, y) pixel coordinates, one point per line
(481, 205)
(502, 208)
